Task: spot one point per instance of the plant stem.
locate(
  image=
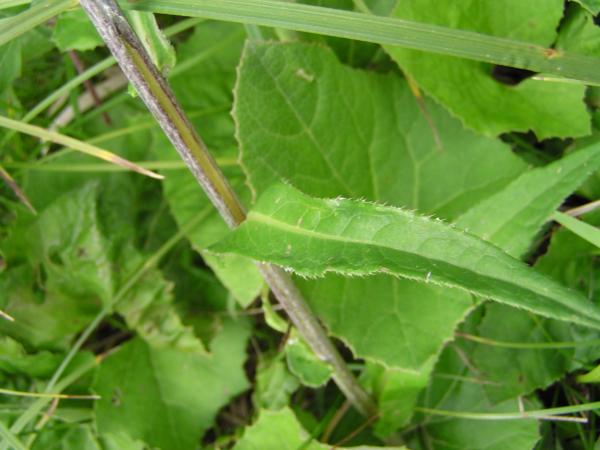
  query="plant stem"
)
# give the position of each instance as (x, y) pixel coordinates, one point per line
(158, 97)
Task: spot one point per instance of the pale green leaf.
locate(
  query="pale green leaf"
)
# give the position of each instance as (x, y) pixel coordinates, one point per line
(281, 430)
(168, 397)
(274, 384)
(580, 228)
(155, 42)
(314, 236)
(513, 217)
(579, 33)
(74, 31)
(148, 308)
(61, 275)
(593, 376)
(303, 363)
(468, 89)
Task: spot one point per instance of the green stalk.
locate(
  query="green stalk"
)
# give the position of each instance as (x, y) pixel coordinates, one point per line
(158, 97)
(538, 414)
(384, 30)
(530, 345)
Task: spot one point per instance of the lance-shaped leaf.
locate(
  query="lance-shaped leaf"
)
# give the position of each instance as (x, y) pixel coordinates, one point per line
(315, 236)
(511, 218)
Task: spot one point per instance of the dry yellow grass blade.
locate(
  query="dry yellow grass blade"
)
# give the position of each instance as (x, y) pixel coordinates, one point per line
(75, 144)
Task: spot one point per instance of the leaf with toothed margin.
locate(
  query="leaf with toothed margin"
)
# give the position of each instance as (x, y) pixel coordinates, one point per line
(314, 236)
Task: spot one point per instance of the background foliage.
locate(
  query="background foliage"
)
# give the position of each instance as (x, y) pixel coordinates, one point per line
(132, 290)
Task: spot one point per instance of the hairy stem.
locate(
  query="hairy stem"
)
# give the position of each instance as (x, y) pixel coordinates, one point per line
(158, 97)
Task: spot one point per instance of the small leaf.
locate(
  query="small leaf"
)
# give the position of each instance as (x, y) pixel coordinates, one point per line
(74, 31)
(314, 236)
(303, 363)
(274, 384)
(156, 43)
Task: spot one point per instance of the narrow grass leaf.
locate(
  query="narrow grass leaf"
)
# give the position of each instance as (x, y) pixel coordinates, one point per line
(39, 13)
(75, 144)
(355, 238)
(383, 30)
(9, 438)
(580, 228)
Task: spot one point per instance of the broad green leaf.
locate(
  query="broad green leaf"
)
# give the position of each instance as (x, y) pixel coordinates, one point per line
(383, 149)
(73, 438)
(372, 142)
(168, 397)
(513, 217)
(149, 310)
(487, 105)
(74, 31)
(396, 392)
(205, 94)
(277, 430)
(59, 271)
(313, 236)
(518, 371)
(455, 387)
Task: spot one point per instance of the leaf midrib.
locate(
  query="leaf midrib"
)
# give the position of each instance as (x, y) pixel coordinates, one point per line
(284, 226)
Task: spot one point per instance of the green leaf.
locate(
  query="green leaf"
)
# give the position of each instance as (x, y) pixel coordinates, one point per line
(274, 384)
(148, 309)
(59, 271)
(155, 42)
(489, 106)
(593, 376)
(381, 30)
(517, 371)
(285, 116)
(382, 149)
(168, 397)
(513, 225)
(593, 6)
(303, 363)
(74, 31)
(455, 387)
(314, 236)
(579, 33)
(15, 360)
(276, 428)
(579, 227)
